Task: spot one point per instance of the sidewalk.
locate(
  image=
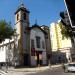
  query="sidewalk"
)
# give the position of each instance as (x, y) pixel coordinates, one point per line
(56, 66)
(36, 69)
(29, 69)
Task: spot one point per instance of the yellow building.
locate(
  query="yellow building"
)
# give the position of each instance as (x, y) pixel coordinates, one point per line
(59, 45)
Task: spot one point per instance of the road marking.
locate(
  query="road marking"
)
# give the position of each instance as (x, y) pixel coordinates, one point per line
(2, 72)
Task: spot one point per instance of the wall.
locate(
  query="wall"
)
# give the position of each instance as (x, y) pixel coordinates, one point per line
(63, 43)
(59, 44)
(37, 32)
(6, 50)
(3, 54)
(53, 37)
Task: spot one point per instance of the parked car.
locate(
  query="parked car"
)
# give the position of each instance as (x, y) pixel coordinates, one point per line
(69, 67)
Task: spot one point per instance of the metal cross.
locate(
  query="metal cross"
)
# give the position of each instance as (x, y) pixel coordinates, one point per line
(21, 2)
(36, 21)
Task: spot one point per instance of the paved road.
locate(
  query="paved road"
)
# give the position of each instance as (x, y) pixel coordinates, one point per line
(54, 71)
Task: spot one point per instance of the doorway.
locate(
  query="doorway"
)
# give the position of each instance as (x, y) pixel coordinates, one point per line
(38, 61)
(26, 60)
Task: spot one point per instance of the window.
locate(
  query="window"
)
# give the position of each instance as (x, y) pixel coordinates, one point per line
(32, 48)
(24, 16)
(17, 17)
(38, 41)
(43, 45)
(32, 43)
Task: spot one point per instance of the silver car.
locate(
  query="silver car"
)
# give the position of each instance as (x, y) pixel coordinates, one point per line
(70, 67)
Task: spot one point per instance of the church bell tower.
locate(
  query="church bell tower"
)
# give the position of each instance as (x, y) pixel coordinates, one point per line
(21, 26)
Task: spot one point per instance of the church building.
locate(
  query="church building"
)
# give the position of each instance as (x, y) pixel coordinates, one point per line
(31, 45)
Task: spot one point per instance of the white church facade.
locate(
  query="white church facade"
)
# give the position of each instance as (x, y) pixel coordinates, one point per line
(29, 46)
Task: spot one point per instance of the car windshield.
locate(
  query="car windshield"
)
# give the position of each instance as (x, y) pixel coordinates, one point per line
(71, 64)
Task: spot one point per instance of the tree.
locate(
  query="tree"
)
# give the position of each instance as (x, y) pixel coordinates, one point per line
(66, 31)
(66, 28)
(64, 18)
(6, 31)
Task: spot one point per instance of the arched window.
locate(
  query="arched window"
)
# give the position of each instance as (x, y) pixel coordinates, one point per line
(17, 17)
(38, 41)
(24, 16)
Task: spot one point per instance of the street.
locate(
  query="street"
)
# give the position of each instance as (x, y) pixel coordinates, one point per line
(54, 71)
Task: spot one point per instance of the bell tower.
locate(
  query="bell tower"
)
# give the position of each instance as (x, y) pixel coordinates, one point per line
(21, 26)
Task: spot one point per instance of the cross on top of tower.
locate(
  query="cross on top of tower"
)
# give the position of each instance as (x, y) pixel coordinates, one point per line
(21, 2)
(21, 7)
(36, 21)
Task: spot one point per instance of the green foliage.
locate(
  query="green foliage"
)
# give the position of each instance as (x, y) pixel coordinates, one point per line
(66, 31)
(6, 31)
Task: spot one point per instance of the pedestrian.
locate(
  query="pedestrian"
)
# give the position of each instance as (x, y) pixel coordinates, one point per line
(63, 66)
(6, 67)
(0, 66)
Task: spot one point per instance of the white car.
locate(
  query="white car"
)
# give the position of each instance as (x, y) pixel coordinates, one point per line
(70, 67)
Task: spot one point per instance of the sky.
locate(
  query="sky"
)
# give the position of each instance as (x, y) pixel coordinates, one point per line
(45, 11)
